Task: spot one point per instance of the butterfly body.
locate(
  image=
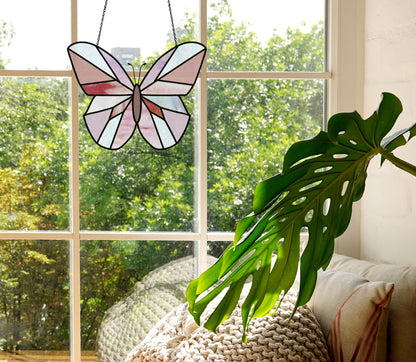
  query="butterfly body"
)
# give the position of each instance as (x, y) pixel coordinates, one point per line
(154, 106)
(137, 103)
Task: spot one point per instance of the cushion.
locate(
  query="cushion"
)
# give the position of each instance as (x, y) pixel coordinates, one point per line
(402, 320)
(177, 338)
(353, 313)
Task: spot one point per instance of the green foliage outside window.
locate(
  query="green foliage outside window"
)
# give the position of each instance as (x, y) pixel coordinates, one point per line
(251, 123)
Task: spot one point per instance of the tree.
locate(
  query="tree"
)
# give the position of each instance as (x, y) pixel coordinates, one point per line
(34, 147)
(34, 294)
(251, 123)
(6, 35)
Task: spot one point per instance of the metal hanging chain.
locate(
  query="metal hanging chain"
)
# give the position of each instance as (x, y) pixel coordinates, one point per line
(102, 21)
(171, 20)
(173, 25)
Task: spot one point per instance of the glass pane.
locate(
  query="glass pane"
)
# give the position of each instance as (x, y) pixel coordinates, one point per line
(34, 149)
(41, 32)
(126, 287)
(251, 124)
(266, 35)
(138, 187)
(145, 27)
(216, 248)
(34, 298)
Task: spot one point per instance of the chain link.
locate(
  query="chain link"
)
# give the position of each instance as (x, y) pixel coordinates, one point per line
(171, 20)
(102, 22)
(173, 25)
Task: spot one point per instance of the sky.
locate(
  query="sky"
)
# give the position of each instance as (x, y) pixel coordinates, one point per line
(42, 27)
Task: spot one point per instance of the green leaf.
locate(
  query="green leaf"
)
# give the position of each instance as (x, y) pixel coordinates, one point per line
(389, 110)
(397, 139)
(321, 179)
(242, 226)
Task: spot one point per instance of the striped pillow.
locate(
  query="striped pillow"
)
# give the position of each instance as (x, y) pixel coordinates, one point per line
(353, 314)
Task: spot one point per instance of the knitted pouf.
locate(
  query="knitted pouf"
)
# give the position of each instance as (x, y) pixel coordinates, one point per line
(177, 338)
(126, 323)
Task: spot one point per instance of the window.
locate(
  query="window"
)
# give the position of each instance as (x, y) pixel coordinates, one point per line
(83, 225)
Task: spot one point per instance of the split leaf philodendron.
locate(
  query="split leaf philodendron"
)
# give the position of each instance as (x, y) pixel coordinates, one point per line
(321, 179)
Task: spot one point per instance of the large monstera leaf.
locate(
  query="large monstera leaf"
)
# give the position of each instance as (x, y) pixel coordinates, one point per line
(321, 179)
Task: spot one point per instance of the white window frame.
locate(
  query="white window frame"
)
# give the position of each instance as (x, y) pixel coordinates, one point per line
(344, 76)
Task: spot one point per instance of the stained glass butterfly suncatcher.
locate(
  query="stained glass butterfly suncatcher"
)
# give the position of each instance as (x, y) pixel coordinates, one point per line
(154, 106)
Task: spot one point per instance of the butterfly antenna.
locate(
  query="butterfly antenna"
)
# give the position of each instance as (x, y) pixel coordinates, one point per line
(134, 73)
(140, 69)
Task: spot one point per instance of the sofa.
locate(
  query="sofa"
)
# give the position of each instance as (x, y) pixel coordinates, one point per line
(360, 311)
(400, 340)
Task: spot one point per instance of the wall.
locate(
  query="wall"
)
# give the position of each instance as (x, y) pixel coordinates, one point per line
(347, 57)
(388, 208)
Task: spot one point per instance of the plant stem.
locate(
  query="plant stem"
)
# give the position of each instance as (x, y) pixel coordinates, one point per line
(408, 167)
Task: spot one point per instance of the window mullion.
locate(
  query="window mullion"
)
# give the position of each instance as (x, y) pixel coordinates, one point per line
(201, 162)
(75, 245)
(75, 278)
(268, 75)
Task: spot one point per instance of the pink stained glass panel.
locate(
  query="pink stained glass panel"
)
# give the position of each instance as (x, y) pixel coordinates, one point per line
(168, 88)
(125, 129)
(148, 130)
(117, 69)
(183, 53)
(100, 103)
(96, 124)
(155, 70)
(110, 88)
(120, 108)
(187, 72)
(153, 108)
(177, 123)
(86, 72)
(168, 102)
(91, 54)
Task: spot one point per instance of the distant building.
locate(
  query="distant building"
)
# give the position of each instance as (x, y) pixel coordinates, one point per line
(125, 55)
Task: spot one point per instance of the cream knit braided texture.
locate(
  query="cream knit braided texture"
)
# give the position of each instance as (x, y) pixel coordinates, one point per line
(177, 338)
(126, 323)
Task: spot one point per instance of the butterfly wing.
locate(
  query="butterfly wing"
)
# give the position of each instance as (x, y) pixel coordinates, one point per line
(164, 117)
(163, 120)
(109, 117)
(110, 121)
